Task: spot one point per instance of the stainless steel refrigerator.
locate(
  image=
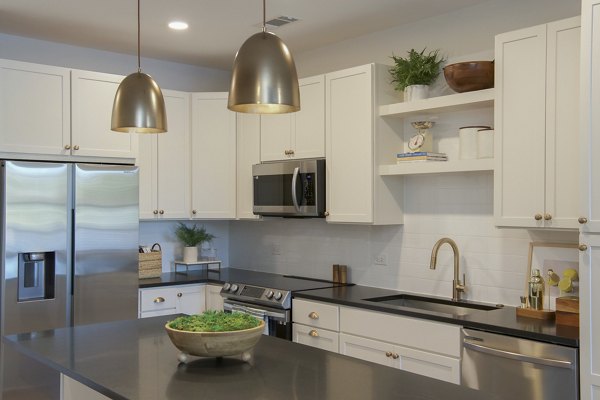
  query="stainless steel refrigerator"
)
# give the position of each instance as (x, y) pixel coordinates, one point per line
(69, 240)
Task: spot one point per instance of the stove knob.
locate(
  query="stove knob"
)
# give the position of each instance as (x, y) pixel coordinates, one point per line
(226, 287)
(234, 288)
(278, 296)
(270, 294)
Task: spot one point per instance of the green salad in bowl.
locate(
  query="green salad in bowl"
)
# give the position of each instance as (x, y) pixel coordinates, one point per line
(215, 333)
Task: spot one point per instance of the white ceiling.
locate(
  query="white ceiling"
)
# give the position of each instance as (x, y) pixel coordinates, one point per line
(217, 27)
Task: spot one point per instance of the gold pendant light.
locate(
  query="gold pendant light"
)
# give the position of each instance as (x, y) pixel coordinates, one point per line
(264, 78)
(139, 106)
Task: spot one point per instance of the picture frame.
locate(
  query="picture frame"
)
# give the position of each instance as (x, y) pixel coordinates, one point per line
(565, 254)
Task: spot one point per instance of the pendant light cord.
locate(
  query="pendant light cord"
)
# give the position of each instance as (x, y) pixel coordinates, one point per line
(264, 29)
(138, 41)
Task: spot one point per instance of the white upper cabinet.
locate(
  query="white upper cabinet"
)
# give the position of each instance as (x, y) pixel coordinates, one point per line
(92, 98)
(590, 118)
(35, 108)
(248, 154)
(300, 134)
(164, 161)
(357, 142)
(213, 157)
(536, 122)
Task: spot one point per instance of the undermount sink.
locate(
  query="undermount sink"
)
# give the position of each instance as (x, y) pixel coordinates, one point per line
(433, 304)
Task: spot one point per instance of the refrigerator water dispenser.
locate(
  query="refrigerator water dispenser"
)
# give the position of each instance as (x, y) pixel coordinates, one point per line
(36, 276)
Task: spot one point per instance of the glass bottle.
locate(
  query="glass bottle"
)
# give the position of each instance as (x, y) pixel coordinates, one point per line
(536, 290)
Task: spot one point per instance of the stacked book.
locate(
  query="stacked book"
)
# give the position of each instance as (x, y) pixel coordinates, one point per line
(421, 156)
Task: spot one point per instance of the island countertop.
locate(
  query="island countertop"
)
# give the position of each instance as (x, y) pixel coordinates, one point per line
(136, 360)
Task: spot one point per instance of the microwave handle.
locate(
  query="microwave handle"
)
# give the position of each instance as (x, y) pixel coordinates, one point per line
(294, 183)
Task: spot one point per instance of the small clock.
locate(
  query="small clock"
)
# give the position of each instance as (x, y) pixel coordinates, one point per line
(422, 140)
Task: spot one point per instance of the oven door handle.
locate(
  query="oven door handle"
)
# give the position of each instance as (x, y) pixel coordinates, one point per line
(294, 183)
(249, 310)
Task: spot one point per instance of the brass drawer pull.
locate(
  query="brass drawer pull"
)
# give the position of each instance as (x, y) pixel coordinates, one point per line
(388, 354)
(159, 300)
(76, 147)
(67, 146)
(547, 216)
(538, 217)
(582, 220)
(313, 315)
(582, 247)
(313, 333)
(161, 212)
(395, 356)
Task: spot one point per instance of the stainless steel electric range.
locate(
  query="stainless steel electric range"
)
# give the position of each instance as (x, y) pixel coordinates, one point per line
(269, 297)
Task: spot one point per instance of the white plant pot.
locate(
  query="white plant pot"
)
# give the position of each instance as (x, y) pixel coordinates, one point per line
(190, 254)
(416, 92)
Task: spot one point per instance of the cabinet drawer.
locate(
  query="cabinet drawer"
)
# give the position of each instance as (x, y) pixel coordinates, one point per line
(316, 337)
(318, 315)
(411, 332)
(432, 365)
(157, 300)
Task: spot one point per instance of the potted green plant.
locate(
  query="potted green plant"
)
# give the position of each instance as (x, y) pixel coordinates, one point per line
(191, 237)
(414, 74)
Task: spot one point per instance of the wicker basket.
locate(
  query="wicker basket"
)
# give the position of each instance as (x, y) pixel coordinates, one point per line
(150, 264)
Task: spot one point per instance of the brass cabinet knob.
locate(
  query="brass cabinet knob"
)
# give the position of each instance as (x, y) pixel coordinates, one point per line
(313, 315)
(538, 217)
(292, 152)
(582, 247)
(395, 356)
(547, 216)
(313, 333)
(76, 147)
(67, 146)
(194, 212)
(179, 294)
(286, 152)
(159, 300)
(326, 213)
(582, 220)
(388, 353)
(155, 212)
(161, 212)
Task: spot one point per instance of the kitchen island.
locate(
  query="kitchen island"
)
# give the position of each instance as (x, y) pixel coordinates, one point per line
(136, 360)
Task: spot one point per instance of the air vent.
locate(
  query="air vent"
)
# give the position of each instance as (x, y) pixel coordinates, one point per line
(280, 21)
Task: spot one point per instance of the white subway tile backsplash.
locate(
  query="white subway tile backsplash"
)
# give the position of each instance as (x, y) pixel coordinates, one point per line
(459, 206)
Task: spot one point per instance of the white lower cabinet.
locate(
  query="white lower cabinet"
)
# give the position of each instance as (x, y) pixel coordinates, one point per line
(71, 389)
(323, 339)
(411, 344)
(185, 299)
(404, 358)
(214, 301)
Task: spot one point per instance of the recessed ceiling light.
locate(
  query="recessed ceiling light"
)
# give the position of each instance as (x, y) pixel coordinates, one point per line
(178, 25)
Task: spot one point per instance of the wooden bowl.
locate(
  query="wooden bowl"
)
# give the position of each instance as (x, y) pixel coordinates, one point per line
(215, 344)
(469, 76)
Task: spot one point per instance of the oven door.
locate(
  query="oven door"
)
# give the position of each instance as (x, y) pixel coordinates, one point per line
(277, 322)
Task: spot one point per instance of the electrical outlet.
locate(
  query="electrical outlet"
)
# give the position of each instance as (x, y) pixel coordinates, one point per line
(276, 250)
(381, 259)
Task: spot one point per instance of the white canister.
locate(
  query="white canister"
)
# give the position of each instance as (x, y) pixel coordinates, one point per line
(416, 92)
(468, 141)
(485, 143)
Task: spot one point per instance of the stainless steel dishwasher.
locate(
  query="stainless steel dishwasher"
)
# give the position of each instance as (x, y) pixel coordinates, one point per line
(515, 368)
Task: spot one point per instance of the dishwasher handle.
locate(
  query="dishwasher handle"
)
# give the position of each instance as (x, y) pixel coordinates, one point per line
(517, 356)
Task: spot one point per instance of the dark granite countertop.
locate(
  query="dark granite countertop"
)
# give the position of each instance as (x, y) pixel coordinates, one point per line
(503, 320)
(136, 360)
(208, 276)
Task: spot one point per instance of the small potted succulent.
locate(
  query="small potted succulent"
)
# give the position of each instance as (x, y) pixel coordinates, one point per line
(414, 74)
(191, 237)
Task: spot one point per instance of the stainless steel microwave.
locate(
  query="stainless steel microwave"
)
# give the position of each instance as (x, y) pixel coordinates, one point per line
(290, 188)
